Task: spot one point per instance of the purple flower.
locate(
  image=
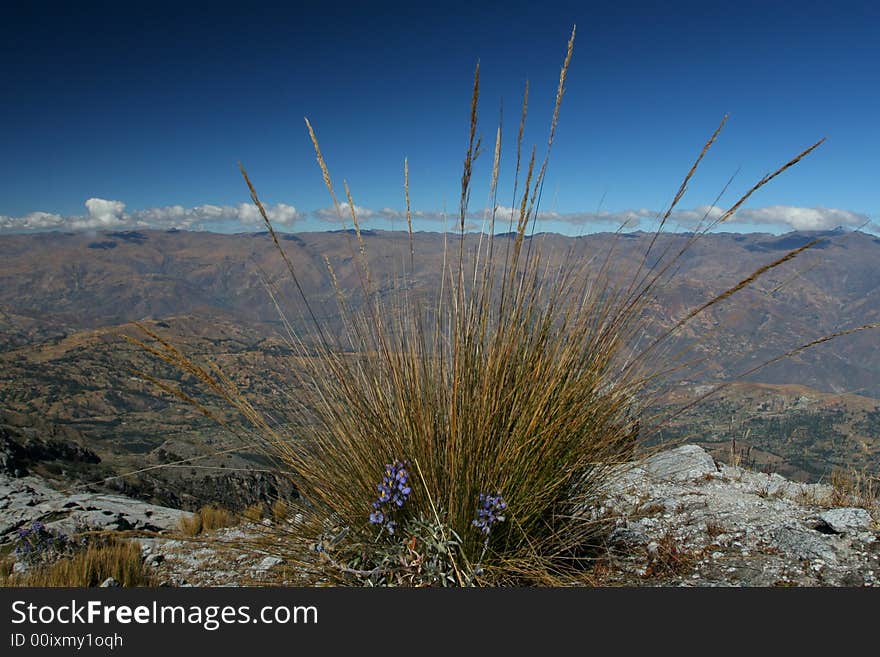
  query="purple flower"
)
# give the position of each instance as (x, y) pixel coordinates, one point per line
(394, 491)
(37, 543)
(489, 512)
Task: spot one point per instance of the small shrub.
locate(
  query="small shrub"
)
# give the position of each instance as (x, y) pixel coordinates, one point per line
(666, 558)
(714, 528)
(855, 488)
(279, 510)
(422, 552)
(254, 513)
(214, 517)
(84, 558)
(652, 509)
(412, 551)
(190, 525)
(206, 519)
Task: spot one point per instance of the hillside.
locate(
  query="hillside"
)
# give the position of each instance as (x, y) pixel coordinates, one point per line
(66, 299)
(54, 283)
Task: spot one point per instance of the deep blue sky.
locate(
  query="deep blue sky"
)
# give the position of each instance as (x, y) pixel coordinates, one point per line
(153, 106)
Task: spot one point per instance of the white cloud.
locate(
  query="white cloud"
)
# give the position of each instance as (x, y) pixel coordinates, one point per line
(697, 216)
(330, 214)
(280, 214)
(103, 214)
(630, 218)
(32, 221)
(818, 218)
(794, 218)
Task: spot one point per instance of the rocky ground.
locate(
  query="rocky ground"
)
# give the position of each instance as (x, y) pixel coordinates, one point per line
(680, 519)
(683, 519)
(25, 500)
(215, 560)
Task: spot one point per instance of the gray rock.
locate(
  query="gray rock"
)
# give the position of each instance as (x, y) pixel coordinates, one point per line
(154, 560)
(732, 526)
(28, 499)
(779, 486)
(629, 535)
(268, 562)
(109, 583)
(684, 463)
(844, 521)
(797, 543)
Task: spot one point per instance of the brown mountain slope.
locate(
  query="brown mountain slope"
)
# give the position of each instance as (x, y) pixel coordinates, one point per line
(54, 283)
(66, 298)
(84, 390)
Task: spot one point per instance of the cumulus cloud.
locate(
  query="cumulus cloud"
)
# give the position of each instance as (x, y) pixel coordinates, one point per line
(388, 214)
(344, 214)
(103, 214)
(280, 214)
(794, 218)
(818, 218)
(32, 221)
(786, 216)
(629, 218)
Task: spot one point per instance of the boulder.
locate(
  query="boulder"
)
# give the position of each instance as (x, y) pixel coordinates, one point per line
(844, 521)
(798, 543)
(684, 463)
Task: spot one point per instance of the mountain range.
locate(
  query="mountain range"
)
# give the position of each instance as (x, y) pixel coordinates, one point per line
(65, 299)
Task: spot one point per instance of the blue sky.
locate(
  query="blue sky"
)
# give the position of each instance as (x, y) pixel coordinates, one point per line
(116, 116)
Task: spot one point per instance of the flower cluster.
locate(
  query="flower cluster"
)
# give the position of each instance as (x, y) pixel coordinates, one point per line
(37, 543)
(393, 494)
(489, 512)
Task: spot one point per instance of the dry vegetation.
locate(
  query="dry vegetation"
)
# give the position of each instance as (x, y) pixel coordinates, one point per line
(209, 518)
(857, 488)
(521, 379)
(114, 558)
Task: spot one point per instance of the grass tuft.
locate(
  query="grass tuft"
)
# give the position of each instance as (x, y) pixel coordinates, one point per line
(206, 519)
(114, 558)
(522, 379)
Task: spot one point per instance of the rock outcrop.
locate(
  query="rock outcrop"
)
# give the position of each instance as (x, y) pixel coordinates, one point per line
(17, 457)
(683, 519)
(25, 500)
(677, 519)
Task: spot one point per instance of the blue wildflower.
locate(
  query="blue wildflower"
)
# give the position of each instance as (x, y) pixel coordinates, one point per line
(489, 511)
(394, 491)
(38, 543)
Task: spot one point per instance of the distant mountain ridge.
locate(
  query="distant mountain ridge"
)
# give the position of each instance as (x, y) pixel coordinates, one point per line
(66, 298)
(52, 284)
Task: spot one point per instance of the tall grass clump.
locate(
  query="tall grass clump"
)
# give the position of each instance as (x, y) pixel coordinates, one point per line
(88, 566)
(120, 560)
(466, 438)
(208, 518)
